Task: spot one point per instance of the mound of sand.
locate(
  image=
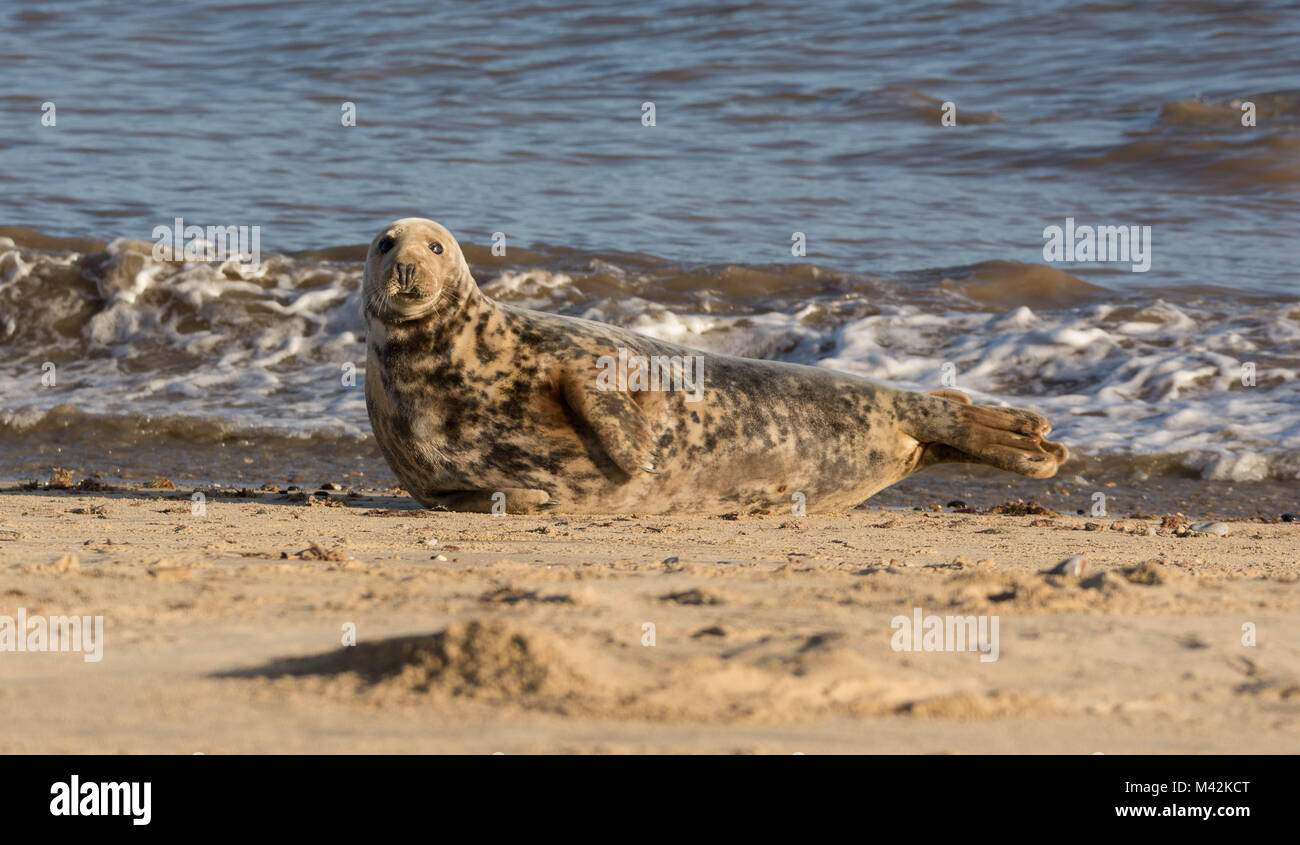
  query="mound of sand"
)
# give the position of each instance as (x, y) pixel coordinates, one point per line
(486, 660)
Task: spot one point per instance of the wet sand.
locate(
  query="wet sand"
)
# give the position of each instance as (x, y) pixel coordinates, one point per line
(522, 634)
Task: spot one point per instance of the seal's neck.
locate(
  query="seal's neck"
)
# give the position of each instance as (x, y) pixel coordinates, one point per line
(435, 333)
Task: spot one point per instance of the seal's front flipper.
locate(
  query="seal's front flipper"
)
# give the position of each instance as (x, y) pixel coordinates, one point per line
(509, 500)
(618, 423)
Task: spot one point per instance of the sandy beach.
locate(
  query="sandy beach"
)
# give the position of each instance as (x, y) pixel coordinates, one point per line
(223, 631)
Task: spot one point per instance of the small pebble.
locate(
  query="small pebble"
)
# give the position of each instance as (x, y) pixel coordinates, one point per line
(672, 560)
(955, 503)
(1074, 566)
(1291, 517)
(1220, 528)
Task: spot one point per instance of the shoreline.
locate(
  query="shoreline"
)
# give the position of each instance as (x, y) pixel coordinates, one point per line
(1074, 490)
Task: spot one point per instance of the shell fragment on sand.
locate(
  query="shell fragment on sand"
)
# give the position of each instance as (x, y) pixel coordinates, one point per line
(1073, 566)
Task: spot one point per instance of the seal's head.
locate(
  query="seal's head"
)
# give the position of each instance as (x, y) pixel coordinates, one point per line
(414, 269)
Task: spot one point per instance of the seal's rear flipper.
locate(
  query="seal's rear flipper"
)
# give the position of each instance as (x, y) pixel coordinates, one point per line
(618, 423)
(1007, 438)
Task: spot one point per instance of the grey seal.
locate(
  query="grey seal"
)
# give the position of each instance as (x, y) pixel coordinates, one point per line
(477, 403)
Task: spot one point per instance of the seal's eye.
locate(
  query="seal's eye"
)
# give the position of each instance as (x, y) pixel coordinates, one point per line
(436, 247)
(385, 245)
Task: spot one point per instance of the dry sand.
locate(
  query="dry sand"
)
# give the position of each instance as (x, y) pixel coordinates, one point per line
(480, 634)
